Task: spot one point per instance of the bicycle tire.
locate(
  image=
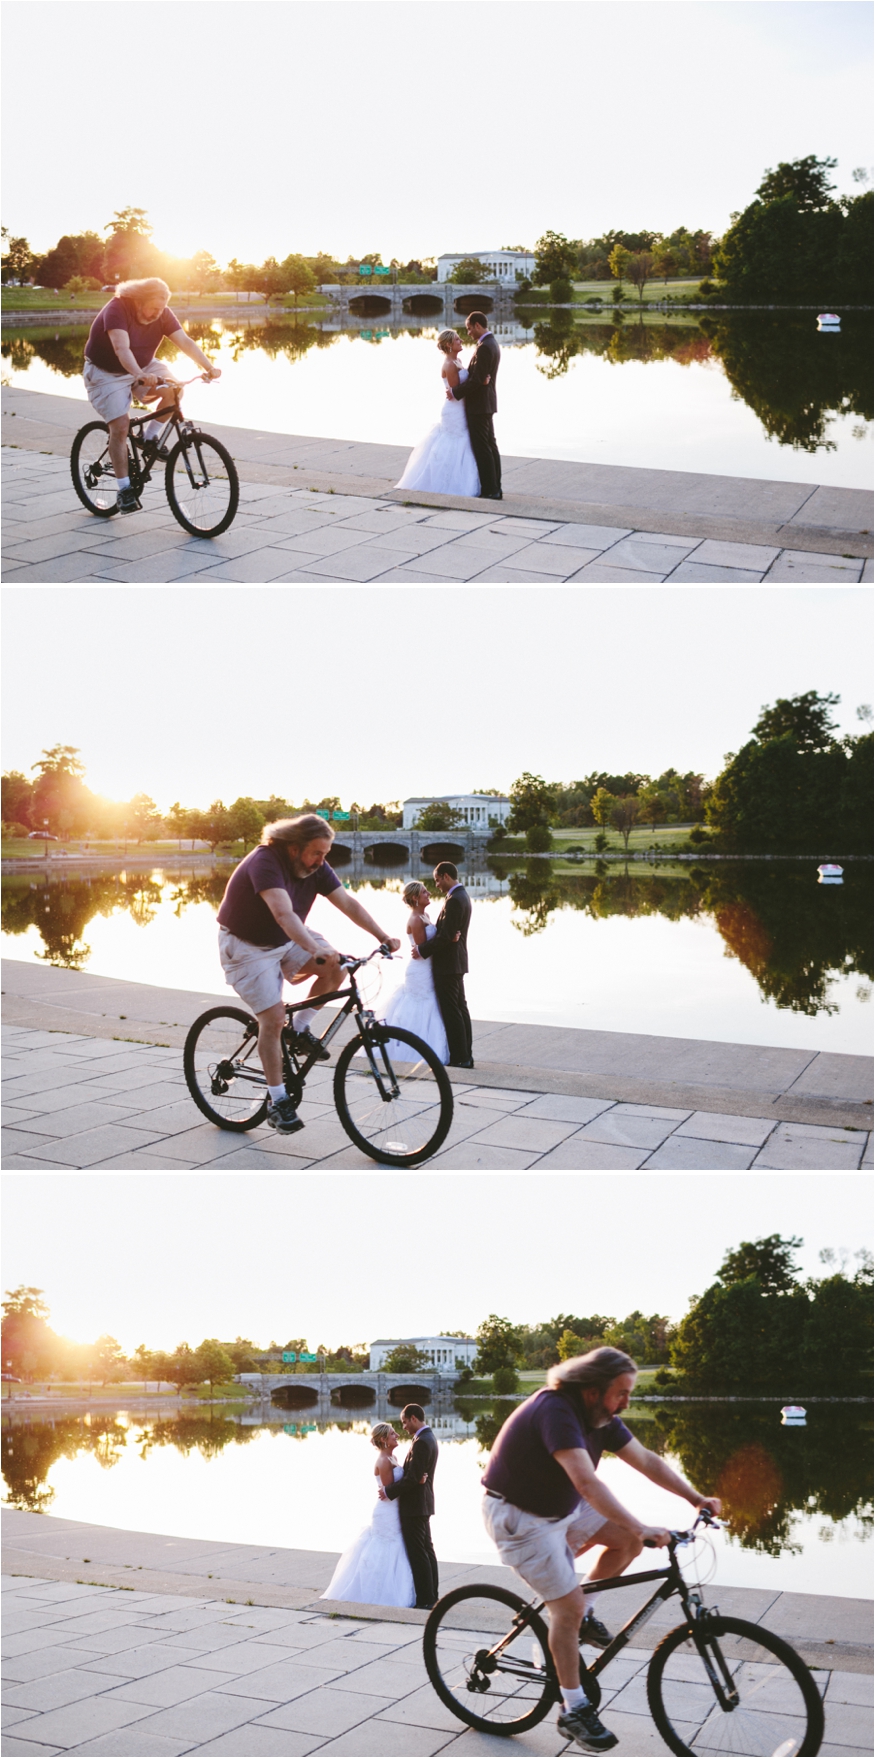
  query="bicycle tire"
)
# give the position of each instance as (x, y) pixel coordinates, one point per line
(102, 502)
(450, 1679)
(423, 1109)
(244, 1108)
(689, 1722)
(216, 514)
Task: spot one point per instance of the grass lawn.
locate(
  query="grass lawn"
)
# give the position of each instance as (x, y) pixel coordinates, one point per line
(19, 847)
(45, 299)
(654, 291)
(666, 838)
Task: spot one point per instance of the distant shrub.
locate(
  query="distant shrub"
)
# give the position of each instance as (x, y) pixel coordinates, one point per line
(561, 292)
(505, 1379)
(539, 839)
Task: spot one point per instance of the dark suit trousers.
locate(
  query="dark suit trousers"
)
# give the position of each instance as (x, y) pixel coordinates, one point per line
(482, 437)
(416, 1533)
(450, 992)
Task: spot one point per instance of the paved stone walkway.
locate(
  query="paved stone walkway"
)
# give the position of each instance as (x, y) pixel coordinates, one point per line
(101, 1670)
(72, 1101)
(293, 535)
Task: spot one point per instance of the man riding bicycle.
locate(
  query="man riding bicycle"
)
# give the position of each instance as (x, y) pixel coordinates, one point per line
(120, 358)
(544, 1505)
(263, 938)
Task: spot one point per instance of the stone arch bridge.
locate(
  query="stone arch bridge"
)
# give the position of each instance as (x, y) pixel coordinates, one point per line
(374, 846)
(364, 1388)
(442, 299)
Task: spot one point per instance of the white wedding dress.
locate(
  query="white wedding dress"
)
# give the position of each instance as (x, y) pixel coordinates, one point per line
(375, 1570)
(414, 1006)
(443, 462)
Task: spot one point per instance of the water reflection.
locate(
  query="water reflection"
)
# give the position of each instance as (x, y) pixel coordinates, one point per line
(796, 939)
(798, 383)
(780, 1486)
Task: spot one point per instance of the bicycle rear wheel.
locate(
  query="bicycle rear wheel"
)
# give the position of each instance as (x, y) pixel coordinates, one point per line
(400, 1114)
(94, 478)
(222, 1068)
(772, 1702)
(504, 1693)
(202, 485)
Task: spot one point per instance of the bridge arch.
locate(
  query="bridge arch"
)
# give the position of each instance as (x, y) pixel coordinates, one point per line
(351, 1395)
(294, 1397)
(340, 854)
(387, 854)
(369, 305)
(442, 851)
(472, 302)
(411, 1394)
(422, 304)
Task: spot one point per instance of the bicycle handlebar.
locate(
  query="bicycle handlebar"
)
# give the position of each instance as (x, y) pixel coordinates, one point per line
(353, 964)
(703, 1518)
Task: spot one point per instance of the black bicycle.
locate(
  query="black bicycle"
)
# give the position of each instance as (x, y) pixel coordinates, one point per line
(392, 1093)
(200, 476)
(714, 1685)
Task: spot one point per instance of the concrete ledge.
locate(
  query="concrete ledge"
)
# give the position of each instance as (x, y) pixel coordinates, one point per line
(790, 515)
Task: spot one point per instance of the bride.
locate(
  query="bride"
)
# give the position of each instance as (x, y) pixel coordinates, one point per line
(443, 462)
(375, 1570)
(414, 1005)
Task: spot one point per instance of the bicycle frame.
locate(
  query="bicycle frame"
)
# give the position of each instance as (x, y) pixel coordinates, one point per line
(296, 1072)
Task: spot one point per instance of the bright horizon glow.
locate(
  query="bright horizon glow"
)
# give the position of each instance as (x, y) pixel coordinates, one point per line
(334, 127)
(166, 1256)
(192, 693)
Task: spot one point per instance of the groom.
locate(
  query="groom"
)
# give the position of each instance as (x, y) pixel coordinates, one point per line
(449, 953)
(414, 1493)
(481, 404)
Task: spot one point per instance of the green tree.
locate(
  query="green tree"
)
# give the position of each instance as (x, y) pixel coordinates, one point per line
(498, 1344)
(17, 793)
(145, 1363)
(539, 839)
(177, 821)
(438, 815)
(805, 719)
(205, 274)
(18, 261)
(618, 262)
(144, 818)
(299, 277)
(469, 272)
(533, 801)
(183, 1367)
(246, 821)
(406, 1358)
(107, 1359)
(768, 1259)
(805, 181)
(213, 1363)
(623, 816)
(570, 1344)
(555, 259)
(602, 806)
(639, 270)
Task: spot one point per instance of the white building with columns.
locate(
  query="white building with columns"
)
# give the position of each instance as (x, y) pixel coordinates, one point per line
(501, 265)
(476, 809)
(443, 1352)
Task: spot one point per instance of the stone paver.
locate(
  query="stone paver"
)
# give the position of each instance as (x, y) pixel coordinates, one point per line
(288, 534)
(96, 1104)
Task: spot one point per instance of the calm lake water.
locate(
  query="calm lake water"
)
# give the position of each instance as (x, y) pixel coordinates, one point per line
(759, 394)
(798, 1500)
(755, 953)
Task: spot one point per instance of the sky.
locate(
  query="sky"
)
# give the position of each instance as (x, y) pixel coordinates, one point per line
(350, 126)
(198, 693)
(341, 1258)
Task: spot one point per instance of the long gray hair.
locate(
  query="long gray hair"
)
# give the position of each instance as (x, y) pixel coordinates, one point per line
(307, 827)
(597, 1369)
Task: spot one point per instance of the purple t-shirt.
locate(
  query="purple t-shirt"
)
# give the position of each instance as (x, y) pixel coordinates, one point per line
(521, 1465)
(246, 914)
(119, 314)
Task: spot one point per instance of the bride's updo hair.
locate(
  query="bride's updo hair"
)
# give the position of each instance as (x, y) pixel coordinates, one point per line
(445, 338)
(411, 892)
(381, 1433)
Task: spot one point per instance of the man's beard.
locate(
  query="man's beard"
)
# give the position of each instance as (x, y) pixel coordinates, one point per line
(595, 1415)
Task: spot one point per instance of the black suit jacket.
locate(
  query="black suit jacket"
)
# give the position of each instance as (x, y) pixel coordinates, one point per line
(450, 955)
(480, 398)
(415, 1497)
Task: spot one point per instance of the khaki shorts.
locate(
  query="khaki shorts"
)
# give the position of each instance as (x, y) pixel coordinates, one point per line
(257, 972)
(110, 392)
(541, 1551)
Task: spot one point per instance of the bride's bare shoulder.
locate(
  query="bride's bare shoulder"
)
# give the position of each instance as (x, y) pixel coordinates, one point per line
(416, 928)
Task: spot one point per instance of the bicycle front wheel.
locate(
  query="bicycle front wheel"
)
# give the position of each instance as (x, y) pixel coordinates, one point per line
(202, 485)
(503, 1692)
(94, 478)
(222, 1068)
(393, 1096)
(761, 1699)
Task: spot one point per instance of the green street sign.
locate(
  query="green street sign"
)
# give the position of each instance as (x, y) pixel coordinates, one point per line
(289, 1355)
(322, 814)
(381, 271)
(365, 268)
(305, 1357)
(342, 816)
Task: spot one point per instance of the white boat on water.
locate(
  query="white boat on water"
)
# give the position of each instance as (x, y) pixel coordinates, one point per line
(793, 1415)
(828, 320)
(830, 874)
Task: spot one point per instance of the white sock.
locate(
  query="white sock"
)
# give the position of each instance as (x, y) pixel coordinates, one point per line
(304, 1019)
(587, 1603)
(152, 429)
(573, 1698)
(277, 1093)
(123, 481)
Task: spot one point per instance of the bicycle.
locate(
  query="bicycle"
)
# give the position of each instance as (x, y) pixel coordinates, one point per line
(397, 1111)
(200, 476)
(715, 1684)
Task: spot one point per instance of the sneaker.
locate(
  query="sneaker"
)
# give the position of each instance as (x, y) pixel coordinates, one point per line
(582, 1725)
(127, 501)
(593, 1633)
(306, 1044)
(283, 1117)
(152, 450)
